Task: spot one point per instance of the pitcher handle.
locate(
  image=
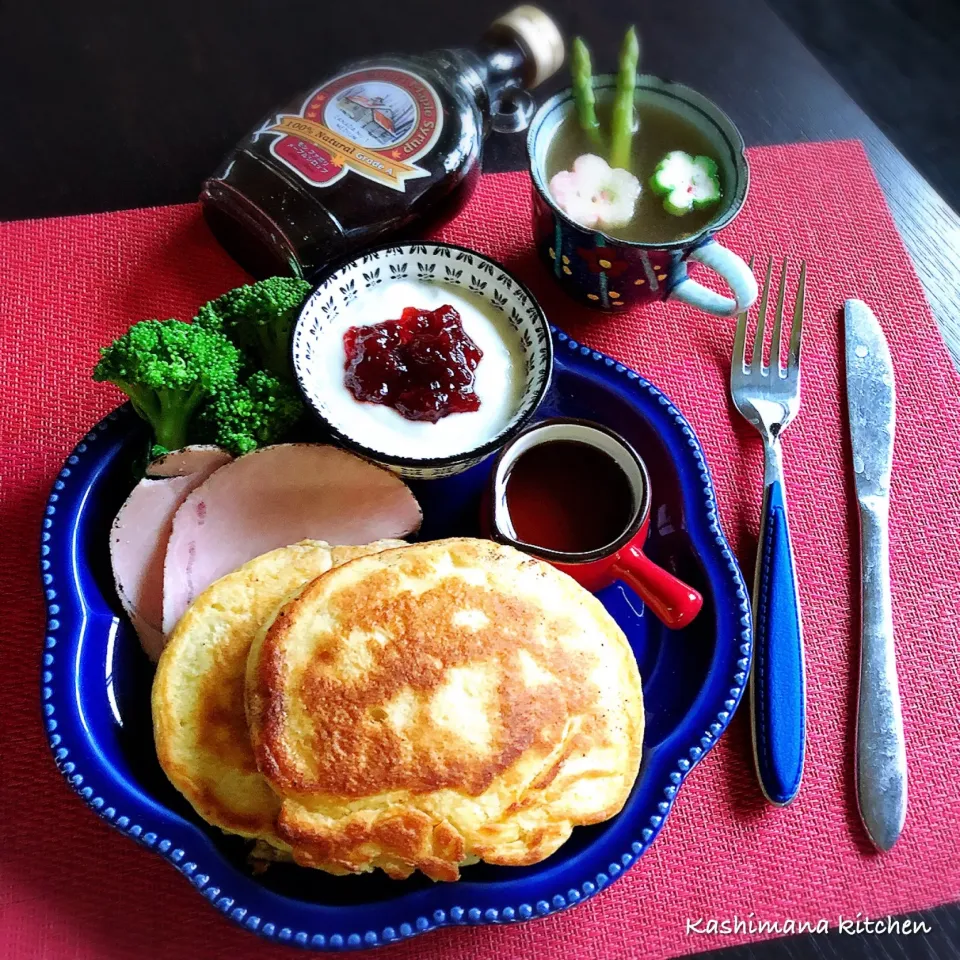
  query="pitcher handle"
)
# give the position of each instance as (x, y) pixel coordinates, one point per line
(731, 268)
(670, 599)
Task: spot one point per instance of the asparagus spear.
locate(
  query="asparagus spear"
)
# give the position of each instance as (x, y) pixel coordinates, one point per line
(581, 74)
(622, 118)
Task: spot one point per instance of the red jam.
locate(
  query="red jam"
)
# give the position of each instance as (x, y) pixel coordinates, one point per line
(422, 365)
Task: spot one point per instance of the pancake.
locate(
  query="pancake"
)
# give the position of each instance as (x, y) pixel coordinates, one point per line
(440, 704)
(199, 722)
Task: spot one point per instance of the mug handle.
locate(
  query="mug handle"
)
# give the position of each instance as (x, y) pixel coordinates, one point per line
(731, 268)
(670, 599)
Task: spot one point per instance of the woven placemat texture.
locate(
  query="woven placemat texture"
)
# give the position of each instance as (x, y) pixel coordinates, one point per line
(71, 887)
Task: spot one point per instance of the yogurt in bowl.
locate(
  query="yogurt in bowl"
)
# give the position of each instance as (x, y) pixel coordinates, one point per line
(495, 316)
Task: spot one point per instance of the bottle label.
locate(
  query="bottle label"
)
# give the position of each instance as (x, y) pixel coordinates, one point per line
(375, 122)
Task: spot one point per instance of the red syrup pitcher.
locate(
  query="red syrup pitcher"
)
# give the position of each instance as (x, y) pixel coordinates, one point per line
(577, 495)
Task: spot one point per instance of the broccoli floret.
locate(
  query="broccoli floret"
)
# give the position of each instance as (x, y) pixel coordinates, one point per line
(254, 413)
(168, 368)
(259, 319)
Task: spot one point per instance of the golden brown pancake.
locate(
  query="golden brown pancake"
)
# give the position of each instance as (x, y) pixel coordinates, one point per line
(442, 703)
(200, 726)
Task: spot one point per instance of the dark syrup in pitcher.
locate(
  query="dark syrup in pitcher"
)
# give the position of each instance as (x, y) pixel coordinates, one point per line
(568, 496)
(386, 146)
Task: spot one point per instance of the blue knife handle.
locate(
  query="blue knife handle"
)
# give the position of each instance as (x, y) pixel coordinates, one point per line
(778, 688)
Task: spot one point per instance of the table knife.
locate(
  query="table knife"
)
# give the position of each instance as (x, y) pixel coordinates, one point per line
(881, 761)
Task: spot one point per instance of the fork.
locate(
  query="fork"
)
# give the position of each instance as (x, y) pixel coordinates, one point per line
(768, 396)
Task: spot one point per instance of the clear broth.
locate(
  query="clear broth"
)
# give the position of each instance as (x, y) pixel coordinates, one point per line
(659, 132)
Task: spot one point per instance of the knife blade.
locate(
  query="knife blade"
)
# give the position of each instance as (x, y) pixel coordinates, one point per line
(881, 762)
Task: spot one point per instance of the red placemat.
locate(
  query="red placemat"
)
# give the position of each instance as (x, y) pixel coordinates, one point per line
(72, 887)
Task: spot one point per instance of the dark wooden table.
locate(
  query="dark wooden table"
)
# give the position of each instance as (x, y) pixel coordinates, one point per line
(107, 106)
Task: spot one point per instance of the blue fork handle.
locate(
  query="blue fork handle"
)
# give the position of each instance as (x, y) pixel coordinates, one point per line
(778, 689)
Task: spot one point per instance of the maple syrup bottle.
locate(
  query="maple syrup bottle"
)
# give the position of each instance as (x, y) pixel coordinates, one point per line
(388, 145)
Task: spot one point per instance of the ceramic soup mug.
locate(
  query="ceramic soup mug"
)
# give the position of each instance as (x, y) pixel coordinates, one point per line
(610, 274)
(671, 600)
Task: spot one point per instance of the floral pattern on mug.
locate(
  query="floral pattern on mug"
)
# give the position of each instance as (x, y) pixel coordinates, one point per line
(603, 260)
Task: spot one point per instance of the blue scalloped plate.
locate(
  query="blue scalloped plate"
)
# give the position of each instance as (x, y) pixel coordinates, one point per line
(96, 685)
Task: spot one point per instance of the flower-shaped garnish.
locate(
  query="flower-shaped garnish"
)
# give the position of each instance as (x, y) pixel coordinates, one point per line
(594, 194)
(686, 182)
(602, 260)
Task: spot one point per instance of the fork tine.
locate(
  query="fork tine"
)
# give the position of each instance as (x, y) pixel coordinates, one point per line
(756, 362)
(739, 340)
(778, 322)
(793, 361)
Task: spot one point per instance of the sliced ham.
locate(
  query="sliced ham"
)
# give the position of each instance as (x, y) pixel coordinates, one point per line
(274, 497)
(196, 459)
(138, 538)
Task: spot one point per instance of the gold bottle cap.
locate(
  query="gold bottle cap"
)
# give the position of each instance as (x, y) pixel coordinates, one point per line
(539, 36)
